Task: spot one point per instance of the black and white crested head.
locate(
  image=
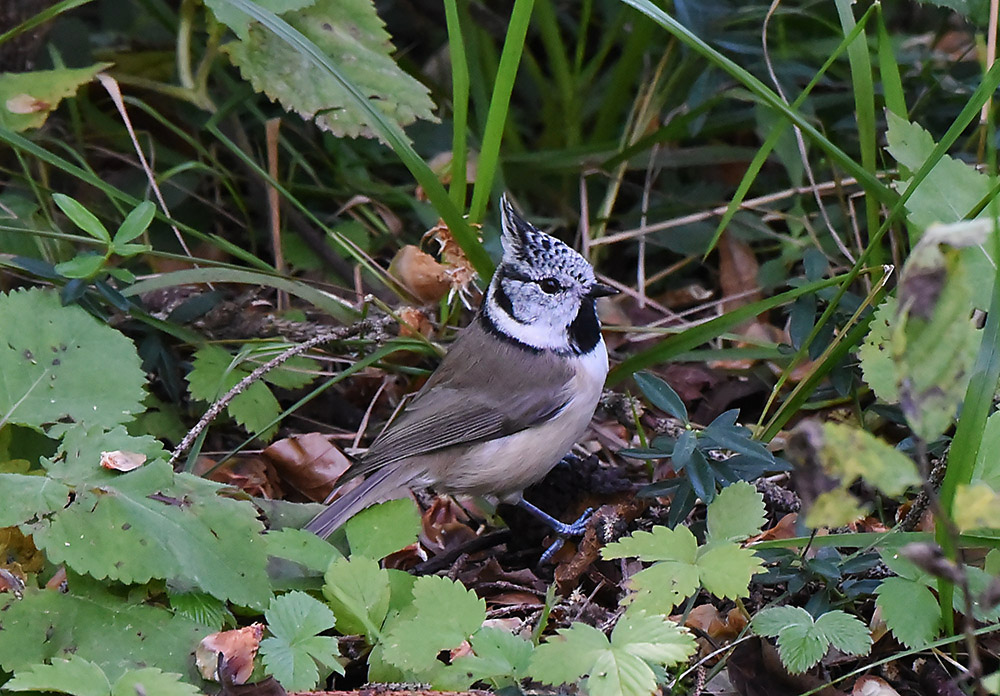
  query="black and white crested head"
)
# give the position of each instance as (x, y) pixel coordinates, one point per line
(542, 294)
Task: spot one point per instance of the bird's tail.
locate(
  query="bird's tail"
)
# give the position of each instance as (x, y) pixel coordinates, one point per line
(384, 484)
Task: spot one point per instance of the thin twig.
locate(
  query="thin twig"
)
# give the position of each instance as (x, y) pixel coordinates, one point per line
(374, 326)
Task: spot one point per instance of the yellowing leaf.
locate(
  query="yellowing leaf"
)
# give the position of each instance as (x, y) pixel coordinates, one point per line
(977, 506)
(836, 508)
(851, 453)
(27, 99)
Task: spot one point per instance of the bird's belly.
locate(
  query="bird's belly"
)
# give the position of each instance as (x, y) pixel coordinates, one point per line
(505, 466)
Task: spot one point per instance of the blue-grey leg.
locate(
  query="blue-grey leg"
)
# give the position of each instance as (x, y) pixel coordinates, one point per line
(563, 530)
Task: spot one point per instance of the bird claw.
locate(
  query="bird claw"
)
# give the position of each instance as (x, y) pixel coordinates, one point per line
(566, 531)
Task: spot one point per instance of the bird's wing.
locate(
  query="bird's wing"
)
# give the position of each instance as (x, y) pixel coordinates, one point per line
(476, 394)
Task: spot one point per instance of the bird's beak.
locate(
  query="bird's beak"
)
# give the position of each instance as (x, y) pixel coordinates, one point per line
(601, 290)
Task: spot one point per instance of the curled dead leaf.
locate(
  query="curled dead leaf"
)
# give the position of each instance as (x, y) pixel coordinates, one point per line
(309, 462)
(414, 322)
(238, 649)
(869, 685)
(423, 276)
(120, 460)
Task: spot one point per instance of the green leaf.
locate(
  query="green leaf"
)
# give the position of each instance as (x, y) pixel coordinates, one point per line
(214, 373)
(82, 266)
(153, 682)
(662, 543)
(836, 508)
(294, 373)
(134, 224)
(877, 364)
(977, 506)
(27, 99)
(81, 217)
(358, 592)
(446, 614)
(27, 497)
(851, 453)
(725, 568)
(302, 547)
(73, 675)
(618, 666)
(662, 395)
(202, 608)
(661, 587)
(910, 610)
(845, 632)
(115, 634)
(736, 513)
(987, 467)
(498, 655)
(383, 529)
(803, 642)
(153, 523)
(351, 34)
(294, 650)
(53, 366)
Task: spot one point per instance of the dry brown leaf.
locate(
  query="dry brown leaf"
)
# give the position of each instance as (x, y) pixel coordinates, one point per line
(238, 648)
(869, 685)
(309, 462)
(424, 277)
(248, 473)
(737, 272)
(414, 322)
(784, 529)
(120, 460)
(444, 526)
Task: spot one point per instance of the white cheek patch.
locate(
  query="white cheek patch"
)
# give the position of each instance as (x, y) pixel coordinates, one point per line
(540, 334)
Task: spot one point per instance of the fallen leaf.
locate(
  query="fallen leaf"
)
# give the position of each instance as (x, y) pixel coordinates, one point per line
(424, 277)
(308, 462)
(238, 648)
(120, 460)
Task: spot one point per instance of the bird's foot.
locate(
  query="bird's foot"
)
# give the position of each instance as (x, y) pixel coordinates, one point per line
(563, 530)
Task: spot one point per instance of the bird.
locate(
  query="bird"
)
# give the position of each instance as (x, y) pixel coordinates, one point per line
(515, 391)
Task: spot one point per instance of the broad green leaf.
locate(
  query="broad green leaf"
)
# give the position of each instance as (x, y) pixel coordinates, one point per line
(910, 610)
(203, 608)
(771, 622)
(662, 543)
(352, 35)
(26, 497)
(49, 365)
(568, 656)
(662, 586)
(153, 682)
(446, 614)
(134, 224)
(736, 513)
(27, 99)
(977, 506)
(851, 453)
(73, 675)
(725, 569)
(214, 373)
(81, 217)
(294, 373)
(662, 395)
(152, 523)
(653, 638)
(294, 651)
(82, 266)
(358, 592)
(79, 456)
(619, 673)
(383, 529)
(497, 654)
(302, 547)
(836, 508)
(845, 632)
(116, 634)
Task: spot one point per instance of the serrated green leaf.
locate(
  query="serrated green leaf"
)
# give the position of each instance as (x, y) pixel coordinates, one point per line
(26, 497)
(82, 266)
(876, 353)
(358, 592)
(653, 638)
(910, 610)
(51, 366)
(383, 529)
(351, 34)
(153, 682)
(79, 456)
(113, 633)
(618, 673)
(497, 654)
(294, 651)
(73, 675)
(736, 513)
(445, 615)
(659, 544)
(570, 655)
(661, 587)
(844, 632)
(134, 224)
(836, 508)
(81, 217)
(800, 647)
(661, 395)
(39, 93)
(153, 523)
(852, 453)
(215, 372)
(772, 621)
(302, 547)
(202, 608)
(294, 373)
(725, 569)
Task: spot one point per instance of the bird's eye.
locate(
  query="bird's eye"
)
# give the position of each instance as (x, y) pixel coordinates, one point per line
(549, 285)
